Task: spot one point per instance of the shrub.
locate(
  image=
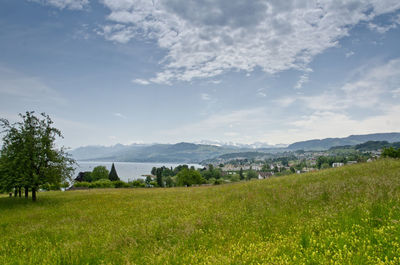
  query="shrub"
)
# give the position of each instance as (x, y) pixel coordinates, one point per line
(120, 184)
(102, 183)
(137, 183)
(82, 184)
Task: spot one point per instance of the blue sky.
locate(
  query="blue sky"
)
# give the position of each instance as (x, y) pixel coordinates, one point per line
(166, 71)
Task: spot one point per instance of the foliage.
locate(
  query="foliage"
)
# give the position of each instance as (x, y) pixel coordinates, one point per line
(84, 176)
(29, 157)
(348, 215)
(120, 184)
(241, 174)
(211, 173)
(113, 176)
(391, 152)
(189, 177)
(99, 172)
(169, 182)
(251, 174)
(102, 183)
(82, 184)
(139, 183)
(159, 177)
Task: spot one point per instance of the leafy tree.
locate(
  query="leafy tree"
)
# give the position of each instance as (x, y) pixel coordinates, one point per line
(179, 168)
(265, 168)
(251, 174)
(99, 172)
(113, 176)
(159, 179)
(29, 157)
(148, 180)
(211, 173)
(153, 171)
(169, 182)
(241, 175)
(85, 176)
(391, 152)
(188, 177)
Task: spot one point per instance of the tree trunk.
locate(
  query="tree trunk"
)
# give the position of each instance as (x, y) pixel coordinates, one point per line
(26, 192)
(15, 191)
(34, 194)
(19, 191)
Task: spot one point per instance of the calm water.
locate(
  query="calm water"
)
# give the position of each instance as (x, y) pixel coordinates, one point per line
(127, 171)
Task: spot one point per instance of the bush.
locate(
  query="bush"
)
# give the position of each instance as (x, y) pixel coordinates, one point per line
(138, 183)
(102, 183)
(120, 184)
(82, 184)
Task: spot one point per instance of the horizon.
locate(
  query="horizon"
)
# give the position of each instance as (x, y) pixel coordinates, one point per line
(204, 142)
(127, 71)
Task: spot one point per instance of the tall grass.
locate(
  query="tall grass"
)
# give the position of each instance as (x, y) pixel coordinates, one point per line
(349, 215)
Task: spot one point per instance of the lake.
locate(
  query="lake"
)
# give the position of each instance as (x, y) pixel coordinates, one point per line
(127, 171)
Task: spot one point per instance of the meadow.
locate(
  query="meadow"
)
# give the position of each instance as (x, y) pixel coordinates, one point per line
(347, 215)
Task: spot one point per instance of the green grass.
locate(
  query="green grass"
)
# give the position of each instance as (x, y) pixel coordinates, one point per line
(349, 215)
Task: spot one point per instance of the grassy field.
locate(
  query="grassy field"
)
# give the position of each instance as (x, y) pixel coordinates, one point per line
(349, 215)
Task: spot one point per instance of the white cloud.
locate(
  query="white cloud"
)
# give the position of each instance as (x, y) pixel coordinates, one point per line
(365, 91)
(261, 92)
(207, 38)
(284, 102)
(302, 80)
(205, 96)
(396, 93)
(119, 115)
(349, 54)
(332, 124)
(27, 88)
(141, 81)
(64, 4)
(247, 125)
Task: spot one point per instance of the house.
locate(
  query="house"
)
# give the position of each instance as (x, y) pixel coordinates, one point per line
(264, 175)
(338, 164)
(351, 162)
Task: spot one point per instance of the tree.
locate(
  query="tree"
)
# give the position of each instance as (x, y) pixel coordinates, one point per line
(251, 174)
(99, 172)
(391, 152)
(241, 175)
(148, 180)
(113, 176)
(29, 157)
(159, 172)
(188, 177)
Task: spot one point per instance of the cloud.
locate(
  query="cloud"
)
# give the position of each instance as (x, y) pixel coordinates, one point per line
(381, 29)
(333, 124)
(284, 102)
(349, 54)
(396, 93)
(365, 91)
(27, 88)
(246, 124)
(64, 4)
(204, 39)
(119, 115)
(261, 92)
(141, 81)
(205, 96)
(302, 80)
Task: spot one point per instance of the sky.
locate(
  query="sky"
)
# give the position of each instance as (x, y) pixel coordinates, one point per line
(229, 71)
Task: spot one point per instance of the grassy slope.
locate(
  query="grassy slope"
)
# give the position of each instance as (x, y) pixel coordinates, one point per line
(348, 215)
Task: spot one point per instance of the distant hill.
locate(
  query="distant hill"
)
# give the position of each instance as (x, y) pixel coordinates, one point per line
(180, 152)
(195, 153)
(327, 143)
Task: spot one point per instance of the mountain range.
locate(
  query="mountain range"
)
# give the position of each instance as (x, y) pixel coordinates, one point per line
(195, 153)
